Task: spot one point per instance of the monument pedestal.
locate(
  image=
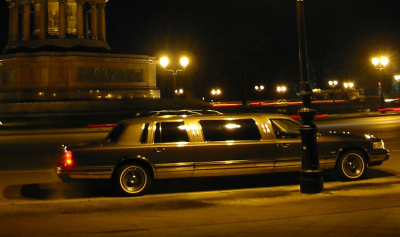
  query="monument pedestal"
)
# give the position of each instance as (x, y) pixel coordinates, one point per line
(52, 76)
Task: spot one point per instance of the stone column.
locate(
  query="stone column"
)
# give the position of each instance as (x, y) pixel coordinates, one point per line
(15, 29)
(26, 20)
(102, 22)
(42, 20)
(10, 23)
(93, 18)
(79, 19)
(61, 21)
(87, 33)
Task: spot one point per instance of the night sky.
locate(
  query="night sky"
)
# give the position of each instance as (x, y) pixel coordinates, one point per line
(236, 44)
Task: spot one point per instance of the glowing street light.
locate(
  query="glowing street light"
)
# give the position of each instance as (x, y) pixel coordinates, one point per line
(179, 92)
(216, 92)
(164, 61)
(333, 84)
(259, 89)
(281, 89)
(348, 85)
(380, 64)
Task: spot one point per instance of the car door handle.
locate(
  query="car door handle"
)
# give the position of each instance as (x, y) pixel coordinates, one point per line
(159, 149)
(283, 145)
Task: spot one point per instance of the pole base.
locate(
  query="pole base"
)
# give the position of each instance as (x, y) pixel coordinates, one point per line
(311, 181)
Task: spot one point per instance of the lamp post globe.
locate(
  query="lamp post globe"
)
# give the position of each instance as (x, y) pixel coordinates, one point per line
(164, 61)
(184, 62)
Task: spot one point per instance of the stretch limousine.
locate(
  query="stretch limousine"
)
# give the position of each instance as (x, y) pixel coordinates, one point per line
(140, 150)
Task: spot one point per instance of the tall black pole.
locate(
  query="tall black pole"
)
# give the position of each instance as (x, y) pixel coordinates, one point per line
(381, 88)
(311, 180)
(398, 87)
(174, 73)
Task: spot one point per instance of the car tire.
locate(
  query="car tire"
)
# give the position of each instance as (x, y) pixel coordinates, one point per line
(352, 165)
(132, 180)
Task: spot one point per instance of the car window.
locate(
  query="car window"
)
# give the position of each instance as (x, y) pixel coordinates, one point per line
(116, 132)
(145, 132)
(285, 129)
(170, 132)
(230, 130)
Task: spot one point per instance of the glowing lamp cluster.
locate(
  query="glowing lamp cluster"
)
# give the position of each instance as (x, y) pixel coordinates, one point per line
(259, 88)
(164, 61)
(380, 62)
(215, 92)
(333, 83)
(348, 85)
(281, 88)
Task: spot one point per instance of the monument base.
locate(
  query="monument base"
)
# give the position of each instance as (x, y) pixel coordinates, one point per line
(57, 76)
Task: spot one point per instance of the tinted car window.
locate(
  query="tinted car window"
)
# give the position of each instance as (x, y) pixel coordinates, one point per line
(116, 132)
(228, 130)
(145, 132)
(285, 129)
(170, 132)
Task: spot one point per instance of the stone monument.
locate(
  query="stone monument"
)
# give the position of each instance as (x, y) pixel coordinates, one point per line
(57, 51)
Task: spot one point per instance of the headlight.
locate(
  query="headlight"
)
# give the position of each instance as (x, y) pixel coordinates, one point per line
(378, 145)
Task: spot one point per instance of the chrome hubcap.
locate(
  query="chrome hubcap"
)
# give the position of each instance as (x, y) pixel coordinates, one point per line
(353, 166)
(133, 179)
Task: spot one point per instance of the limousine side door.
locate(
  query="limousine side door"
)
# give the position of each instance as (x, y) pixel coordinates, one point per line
(288, 143)
(232, 147)
(171, 151)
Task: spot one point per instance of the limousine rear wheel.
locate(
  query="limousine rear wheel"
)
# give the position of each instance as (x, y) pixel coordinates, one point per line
(351, 165)
(132, 180)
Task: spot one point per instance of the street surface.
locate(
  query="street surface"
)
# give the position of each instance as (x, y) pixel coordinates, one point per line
(34, 202)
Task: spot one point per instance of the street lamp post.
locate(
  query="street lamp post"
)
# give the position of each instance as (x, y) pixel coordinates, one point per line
(281, 89)
(348, 86)
(216, 92)
(333, 84)
(259, 89)
(380, 64)
(311, 180)
(397, 77)
(164, 63)
(179, 92)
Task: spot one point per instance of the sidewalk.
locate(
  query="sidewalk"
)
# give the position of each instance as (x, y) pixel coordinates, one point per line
(362, 208)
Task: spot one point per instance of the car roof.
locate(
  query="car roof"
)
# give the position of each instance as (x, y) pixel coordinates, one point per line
(165, 115)
(158, 113)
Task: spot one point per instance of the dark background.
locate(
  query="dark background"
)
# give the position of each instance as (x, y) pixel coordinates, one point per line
(235, 45)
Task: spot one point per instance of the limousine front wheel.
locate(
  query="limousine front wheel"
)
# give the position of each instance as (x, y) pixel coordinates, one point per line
(132, 179)
(351, 166)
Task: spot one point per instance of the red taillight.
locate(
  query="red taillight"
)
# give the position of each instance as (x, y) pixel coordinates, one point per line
(68, 158)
